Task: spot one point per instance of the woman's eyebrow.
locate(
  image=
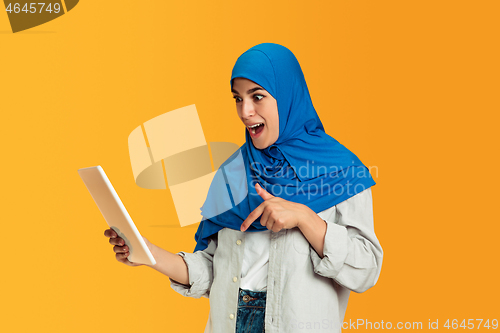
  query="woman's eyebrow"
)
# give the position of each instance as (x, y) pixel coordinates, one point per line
(249, 91)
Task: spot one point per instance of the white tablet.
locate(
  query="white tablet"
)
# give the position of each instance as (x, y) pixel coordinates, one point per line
(115, 214)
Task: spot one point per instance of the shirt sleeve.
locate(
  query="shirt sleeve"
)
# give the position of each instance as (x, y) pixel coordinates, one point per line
(200, 271)
(352, 252)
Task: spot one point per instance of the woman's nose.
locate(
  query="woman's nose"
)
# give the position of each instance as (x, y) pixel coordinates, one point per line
(247, 109)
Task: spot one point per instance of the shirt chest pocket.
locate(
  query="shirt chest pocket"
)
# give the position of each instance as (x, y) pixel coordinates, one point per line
(300, 243)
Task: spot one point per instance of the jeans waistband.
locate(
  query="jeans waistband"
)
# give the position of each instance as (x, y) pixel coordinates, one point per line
(250, 298)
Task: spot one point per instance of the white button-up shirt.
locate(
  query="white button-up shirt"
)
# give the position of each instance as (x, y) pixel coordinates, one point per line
(305, 293)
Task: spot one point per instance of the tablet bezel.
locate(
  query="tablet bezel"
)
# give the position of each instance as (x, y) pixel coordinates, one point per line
(115, 213)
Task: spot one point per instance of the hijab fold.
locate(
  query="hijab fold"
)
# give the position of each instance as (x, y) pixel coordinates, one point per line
(304, 165)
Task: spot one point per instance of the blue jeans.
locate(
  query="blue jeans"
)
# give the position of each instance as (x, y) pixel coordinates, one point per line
(251, 311)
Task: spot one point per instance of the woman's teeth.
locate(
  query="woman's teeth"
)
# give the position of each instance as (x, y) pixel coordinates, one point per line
(254, 127)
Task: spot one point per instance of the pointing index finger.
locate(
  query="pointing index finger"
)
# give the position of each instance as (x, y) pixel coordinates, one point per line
(251, 217)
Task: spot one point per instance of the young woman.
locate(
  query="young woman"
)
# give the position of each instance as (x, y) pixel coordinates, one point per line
(285, 255)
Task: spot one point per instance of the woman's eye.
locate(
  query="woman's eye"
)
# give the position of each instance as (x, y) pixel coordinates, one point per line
(237, 98)
(258, 97)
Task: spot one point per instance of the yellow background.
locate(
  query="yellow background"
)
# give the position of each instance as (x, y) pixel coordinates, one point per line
(411, 87)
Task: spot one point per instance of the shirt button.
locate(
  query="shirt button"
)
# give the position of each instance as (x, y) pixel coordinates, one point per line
(235, 279)
(238, 242)
(231, 316)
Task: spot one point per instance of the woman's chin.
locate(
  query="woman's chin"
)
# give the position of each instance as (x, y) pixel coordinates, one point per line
(261, 146)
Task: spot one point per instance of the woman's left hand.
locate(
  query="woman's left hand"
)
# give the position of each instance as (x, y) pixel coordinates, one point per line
(277, 213)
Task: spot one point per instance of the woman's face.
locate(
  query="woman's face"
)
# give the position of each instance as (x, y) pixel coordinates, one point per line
(256, 106)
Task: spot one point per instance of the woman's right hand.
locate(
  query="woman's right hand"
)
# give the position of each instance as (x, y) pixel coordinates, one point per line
(121, 250)
(170, 264)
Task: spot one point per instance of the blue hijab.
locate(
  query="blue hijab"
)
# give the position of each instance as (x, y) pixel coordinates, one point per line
(304, 165)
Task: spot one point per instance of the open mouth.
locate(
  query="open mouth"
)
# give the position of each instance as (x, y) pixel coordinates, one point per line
(256, 129)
